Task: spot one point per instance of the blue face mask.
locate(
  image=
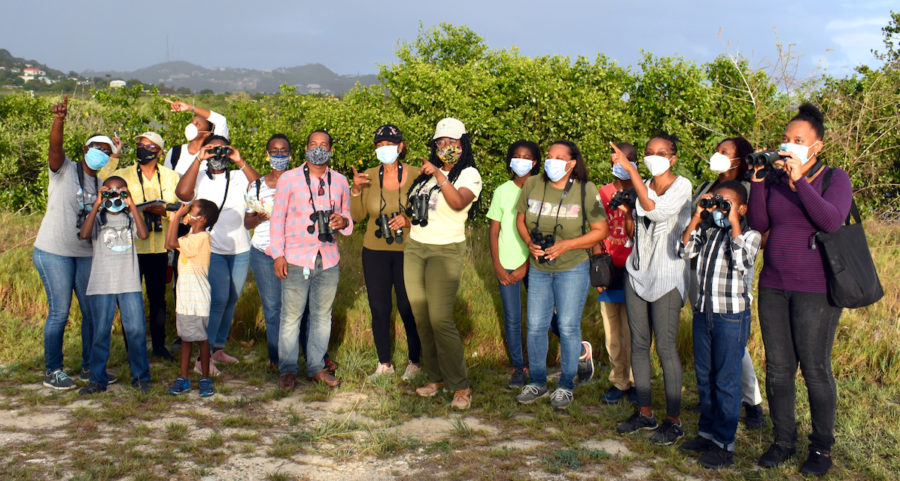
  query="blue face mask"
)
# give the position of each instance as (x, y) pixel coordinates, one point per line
(96, 158)
(555, 169)
(279, 162)
(720, 219)
(521, 166)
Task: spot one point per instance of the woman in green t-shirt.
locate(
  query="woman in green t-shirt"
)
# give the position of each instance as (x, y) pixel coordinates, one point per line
(553, 211)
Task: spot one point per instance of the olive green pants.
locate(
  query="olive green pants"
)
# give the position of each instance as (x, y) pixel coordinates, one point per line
(431, 273)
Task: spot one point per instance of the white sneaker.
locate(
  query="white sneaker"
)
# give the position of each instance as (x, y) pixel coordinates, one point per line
(412, 370)
(382, 369)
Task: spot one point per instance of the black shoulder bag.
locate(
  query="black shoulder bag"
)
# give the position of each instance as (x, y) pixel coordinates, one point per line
(601, 268)
(851, 276)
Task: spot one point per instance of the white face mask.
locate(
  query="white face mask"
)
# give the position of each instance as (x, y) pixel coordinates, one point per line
(191, 132)
(387, 154)
(555, 169)
(656, 164)
(719, 163)
(521, 167)
(802, 151)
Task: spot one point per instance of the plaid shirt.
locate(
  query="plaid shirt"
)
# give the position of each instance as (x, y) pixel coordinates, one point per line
(290, 217)
(724, 268)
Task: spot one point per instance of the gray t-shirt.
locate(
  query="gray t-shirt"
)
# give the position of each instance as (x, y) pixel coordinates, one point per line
(66, 195)
(114, 269)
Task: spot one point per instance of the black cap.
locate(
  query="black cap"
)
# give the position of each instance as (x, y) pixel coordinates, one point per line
(388, 132)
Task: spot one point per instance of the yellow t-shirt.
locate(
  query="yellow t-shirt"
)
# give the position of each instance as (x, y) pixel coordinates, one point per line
(160, 186)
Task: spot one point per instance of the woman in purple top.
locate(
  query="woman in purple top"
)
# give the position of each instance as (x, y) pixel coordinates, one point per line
(798, 323)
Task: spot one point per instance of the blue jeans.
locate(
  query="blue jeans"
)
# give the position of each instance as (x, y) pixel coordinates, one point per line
(511, 296)
(131, 308)
(269, 287)
(319, 290)
(719, 343)
(227, 274)
(60, 276)
(567, 292)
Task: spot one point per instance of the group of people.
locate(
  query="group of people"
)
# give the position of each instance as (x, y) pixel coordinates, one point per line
(550, 227)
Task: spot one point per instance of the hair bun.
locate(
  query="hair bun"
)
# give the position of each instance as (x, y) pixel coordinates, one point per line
(809, 110)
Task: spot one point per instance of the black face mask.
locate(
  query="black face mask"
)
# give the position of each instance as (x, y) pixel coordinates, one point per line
(145, 156)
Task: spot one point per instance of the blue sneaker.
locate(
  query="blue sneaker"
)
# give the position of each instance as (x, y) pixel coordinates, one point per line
(206, 387)
(612, 395)
(180, 386)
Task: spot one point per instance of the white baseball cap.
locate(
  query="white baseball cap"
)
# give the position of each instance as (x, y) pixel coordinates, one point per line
(449, 127)
(152, 137)
(102, 139)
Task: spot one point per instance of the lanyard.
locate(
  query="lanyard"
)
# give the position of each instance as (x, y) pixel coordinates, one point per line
(309, 186)
(140, 175)
(537, 223)
(381, 187)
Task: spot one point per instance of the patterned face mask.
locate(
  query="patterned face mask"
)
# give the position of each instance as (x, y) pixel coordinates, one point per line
(449, 153)
(318, 155)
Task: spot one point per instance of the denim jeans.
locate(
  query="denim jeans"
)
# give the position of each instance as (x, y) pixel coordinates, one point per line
(227, 274)
(567, 292)
(318, 290)
(799, 328)
(719, 344)
(60, 276)
(131, 308)
(511, 296)
(269, 287)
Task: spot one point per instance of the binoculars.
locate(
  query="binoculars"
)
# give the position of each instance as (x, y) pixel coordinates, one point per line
(623, 197)
(418, 211)
(384, 229)
(544, 241)
(320, 220)
(717, 202)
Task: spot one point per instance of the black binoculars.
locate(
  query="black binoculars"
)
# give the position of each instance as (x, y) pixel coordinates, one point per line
(717, 202)
(625, 197)
(418, 211)
(544, 241)
(384, 229)
(321, 219)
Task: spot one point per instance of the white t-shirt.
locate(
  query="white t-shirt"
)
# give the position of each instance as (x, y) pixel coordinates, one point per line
(220, 127)
(228, 236)
(446, 225)
(261, 238)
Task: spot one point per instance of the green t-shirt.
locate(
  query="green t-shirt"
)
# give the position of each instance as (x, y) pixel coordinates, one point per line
(569, 220)
(513, 251)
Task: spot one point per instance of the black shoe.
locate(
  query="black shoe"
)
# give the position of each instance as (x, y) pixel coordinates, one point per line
(716, 458)
(698, 445)
(91, 389)
(637, 422)
(667, 434)
(163, 354)
(817, 464)
(143, 385)
(518, 379)
(775, 456)
(754, 417)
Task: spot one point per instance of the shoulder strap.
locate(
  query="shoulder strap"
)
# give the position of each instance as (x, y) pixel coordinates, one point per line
(176, 154)
(854, 211)
(590, 252)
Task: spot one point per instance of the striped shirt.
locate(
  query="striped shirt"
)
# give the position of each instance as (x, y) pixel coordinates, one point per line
(724, 268)
(654, 266)
(290, 217)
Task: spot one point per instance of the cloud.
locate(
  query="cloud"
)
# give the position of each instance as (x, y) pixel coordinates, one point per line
(854, 39)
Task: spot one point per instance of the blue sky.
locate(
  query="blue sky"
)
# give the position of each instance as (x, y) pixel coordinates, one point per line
(354, 37)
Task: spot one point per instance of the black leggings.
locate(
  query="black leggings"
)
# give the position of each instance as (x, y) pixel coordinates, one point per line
(383, 270)
(153, 269)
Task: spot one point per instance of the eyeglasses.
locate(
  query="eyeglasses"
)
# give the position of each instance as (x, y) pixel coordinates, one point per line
(105, 148)
(151, 147)
(444, 141)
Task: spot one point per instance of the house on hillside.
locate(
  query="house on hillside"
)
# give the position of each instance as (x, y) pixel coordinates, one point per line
(31, 73)
(116, 84)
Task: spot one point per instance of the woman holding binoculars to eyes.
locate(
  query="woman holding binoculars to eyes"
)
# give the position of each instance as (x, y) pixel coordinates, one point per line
(377, 193)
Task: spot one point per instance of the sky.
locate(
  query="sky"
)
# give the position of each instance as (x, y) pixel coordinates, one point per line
(831, 36)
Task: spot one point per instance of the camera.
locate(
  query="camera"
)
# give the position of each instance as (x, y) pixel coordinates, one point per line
(717, 202)
(544, 241)
(418, 211)
(765, 159)
(220, 152)
(173, 206)
(384, 229)
(623, 197)
(320, 220)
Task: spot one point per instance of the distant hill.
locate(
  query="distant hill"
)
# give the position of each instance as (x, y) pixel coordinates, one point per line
(7, 60)
(311, 78)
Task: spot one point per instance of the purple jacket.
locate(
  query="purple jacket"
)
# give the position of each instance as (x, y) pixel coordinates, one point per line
(792, 218)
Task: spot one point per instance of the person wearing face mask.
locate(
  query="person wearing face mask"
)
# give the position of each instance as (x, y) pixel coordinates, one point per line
(205, 123)
(377, 192)
(311, 205)
(728, 162)
(148, 181)
(797, 321)
(61, 257)
(229, 240)
(445, 189)
(260, 199)
(551, 218)
(509, 253)
(657, 283)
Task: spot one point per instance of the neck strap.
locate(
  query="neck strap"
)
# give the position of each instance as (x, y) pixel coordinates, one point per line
(399, 187)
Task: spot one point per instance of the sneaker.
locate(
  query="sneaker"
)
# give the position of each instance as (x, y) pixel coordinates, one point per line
(429, 389)
(85, 375)
(222, 356)
(412, 370)
(561, 398)
(697, 445)
(637, 422)
(754, 417)
(143, 385)
(817, 463)
(462, 399)
(586, 363)
(180, 386)
(612, 395)
(59, 380)
(716, 458)
(531, 393)
(667, 434)
(206, 387)
(775, 456)
(382, 369)
(91, 389)
(213, 370)
(518, 379)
